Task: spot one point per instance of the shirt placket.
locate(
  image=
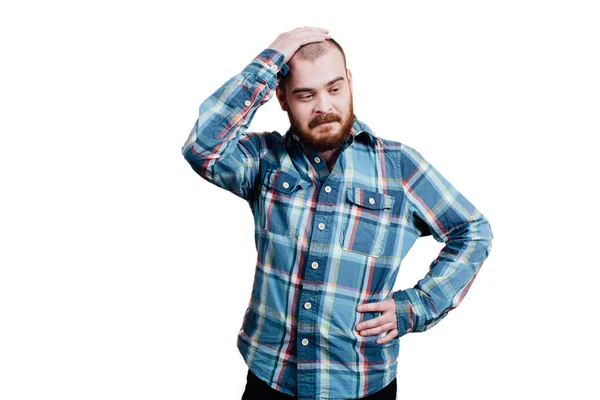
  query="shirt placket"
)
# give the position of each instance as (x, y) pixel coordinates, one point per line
(308, 357)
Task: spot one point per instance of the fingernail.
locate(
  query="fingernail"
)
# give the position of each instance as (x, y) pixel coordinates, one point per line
(359, 327)
(359, 308)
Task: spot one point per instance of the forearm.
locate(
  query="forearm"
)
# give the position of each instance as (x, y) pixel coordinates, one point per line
(225, 114)
(218, 147)
(449, 278)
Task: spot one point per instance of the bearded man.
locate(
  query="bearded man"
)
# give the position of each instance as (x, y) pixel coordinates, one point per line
(336, 209)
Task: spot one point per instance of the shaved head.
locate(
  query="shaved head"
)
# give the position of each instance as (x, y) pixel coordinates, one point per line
(311, 52)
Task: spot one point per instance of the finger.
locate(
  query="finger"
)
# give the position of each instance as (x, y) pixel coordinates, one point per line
(314, 34)
(314, 31)
(371, 323)
(391, 334)
(379, 306)
(378, 329)
(315, 38)
(315, 28)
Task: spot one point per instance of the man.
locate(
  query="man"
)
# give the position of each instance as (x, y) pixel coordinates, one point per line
(336, 210)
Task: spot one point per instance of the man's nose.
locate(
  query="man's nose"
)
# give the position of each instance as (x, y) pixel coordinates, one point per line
(323, 105)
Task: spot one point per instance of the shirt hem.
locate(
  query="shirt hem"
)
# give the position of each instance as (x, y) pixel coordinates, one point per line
(243, 348)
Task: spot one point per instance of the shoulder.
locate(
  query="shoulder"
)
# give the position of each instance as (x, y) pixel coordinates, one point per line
(400, 150)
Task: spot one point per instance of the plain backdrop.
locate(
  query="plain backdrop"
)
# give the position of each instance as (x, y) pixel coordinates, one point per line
(124, 275)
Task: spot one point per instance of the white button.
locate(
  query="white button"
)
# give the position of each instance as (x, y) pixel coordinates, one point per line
(286, 185)
(274, 67)
(328, 189)
(247, 102)
(304, 342)
(371, 200)
(307, 305)
(317, 160)
(321, 226)
(314, 265)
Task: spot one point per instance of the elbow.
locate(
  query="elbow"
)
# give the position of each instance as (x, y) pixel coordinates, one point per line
(194, 158)
(482, 234)
(484, 230)
(186, 149)
(188, 153)
(490, 238)
(191, 150)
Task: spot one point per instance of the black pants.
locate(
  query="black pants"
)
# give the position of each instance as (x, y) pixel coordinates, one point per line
(257, 389)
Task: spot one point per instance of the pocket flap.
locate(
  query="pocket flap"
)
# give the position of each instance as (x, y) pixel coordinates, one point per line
(284, 182)
(370, 198)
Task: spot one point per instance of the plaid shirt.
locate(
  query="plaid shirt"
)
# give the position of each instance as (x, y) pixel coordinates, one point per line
(329, 241)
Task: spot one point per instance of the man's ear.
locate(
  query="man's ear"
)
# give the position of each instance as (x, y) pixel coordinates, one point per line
(349, 73)
(281, 97)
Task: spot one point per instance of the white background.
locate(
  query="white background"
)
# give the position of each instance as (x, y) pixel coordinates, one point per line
(124, 275)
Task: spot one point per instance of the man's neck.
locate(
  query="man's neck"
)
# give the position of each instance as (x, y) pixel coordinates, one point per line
(330, 157)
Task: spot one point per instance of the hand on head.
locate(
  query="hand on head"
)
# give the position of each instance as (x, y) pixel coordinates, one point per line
(288, 42)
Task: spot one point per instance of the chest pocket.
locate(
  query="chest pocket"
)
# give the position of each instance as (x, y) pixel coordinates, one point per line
(283, 202)
(366, 221)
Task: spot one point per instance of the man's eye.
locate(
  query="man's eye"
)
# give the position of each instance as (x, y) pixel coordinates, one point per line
(336, 89)
(306, 97)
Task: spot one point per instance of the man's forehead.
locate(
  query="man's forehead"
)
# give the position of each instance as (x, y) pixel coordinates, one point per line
(317, 72)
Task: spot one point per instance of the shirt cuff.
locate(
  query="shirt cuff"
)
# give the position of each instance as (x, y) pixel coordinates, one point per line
(404, 313)
(268, 66)
(277, 58)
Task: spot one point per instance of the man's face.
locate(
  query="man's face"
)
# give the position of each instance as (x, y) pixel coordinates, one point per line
(318, 100)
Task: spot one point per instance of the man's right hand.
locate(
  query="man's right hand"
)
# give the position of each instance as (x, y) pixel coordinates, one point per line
(288, 42)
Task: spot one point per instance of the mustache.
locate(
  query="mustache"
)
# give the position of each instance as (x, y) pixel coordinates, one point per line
(323, 120)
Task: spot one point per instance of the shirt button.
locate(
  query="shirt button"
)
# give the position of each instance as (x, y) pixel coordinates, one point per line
(317, 160)
(371, 200)
(247, 103)
(314, 265)
(321, 226)
(286, 185)
(307, 305)
(274, 67)
(304, 342)
(328, 189)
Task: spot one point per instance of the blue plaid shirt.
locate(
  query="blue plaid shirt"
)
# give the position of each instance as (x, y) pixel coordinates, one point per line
(329, 241)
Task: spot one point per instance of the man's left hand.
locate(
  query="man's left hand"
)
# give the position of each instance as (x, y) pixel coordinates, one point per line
(385, 322)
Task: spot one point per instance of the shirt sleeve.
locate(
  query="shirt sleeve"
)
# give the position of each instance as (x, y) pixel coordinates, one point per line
(436, 208)
(218, 147)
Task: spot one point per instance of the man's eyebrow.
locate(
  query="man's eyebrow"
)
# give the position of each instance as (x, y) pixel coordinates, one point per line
(331, 82)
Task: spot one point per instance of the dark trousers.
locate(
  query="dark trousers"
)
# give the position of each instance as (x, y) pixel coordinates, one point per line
(257, 389)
